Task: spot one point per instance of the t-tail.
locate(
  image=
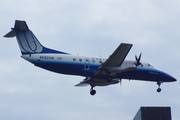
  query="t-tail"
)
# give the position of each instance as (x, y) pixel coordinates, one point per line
(28, 43)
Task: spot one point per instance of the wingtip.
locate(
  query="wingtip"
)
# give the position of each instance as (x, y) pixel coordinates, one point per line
(127, 44)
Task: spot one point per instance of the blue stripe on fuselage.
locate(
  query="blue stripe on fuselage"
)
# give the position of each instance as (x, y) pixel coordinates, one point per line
(77, 68)
(147, 74)
(64, 67)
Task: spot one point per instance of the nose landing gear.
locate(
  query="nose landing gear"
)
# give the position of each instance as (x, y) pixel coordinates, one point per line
(159, 84)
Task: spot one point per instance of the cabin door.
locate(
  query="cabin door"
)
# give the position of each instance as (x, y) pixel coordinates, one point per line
(87, 64)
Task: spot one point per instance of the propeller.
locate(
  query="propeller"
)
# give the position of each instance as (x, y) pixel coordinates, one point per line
(137, 63)
(120, 81)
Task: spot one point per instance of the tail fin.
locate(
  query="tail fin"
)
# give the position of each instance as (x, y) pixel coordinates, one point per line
(27, 41)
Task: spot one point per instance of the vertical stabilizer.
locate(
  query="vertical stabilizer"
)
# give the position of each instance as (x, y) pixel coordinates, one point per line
(28, 43)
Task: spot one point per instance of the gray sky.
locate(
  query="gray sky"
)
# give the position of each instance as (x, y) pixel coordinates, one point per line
(92, 28)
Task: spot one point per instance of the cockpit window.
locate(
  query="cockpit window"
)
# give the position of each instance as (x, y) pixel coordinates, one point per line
(150, 66)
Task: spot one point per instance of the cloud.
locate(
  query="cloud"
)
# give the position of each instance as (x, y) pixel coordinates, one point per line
(91, 28)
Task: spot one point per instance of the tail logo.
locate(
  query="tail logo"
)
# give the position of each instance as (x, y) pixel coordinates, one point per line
(28, 43)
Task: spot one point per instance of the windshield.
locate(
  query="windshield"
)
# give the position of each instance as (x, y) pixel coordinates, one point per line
(150, 66)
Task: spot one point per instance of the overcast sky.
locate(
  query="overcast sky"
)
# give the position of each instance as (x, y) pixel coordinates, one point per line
(92, 28)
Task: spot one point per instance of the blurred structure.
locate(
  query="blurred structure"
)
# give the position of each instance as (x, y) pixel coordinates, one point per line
(153, 113)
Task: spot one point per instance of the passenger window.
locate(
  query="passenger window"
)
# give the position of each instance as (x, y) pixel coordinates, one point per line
(100, 61)
(80, 60)
(74, 59)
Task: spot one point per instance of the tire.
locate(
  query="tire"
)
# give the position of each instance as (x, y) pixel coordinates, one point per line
(159, 90)
(93, 92)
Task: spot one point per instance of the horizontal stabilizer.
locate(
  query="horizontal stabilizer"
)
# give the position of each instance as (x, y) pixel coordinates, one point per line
(19, 25)
(10, 34)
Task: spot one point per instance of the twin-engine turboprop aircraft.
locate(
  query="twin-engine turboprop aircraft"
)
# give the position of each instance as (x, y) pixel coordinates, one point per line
(97, 71)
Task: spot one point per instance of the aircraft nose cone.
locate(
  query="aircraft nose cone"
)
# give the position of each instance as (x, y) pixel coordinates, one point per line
(169, 78)
(173, 79)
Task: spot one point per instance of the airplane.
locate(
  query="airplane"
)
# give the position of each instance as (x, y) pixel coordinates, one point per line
(96, 70)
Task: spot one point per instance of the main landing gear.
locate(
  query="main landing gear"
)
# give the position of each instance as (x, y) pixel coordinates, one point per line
(92, 91)
(159, 84)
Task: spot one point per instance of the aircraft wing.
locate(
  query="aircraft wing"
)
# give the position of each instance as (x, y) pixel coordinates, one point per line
(118, 56)
(116, 59)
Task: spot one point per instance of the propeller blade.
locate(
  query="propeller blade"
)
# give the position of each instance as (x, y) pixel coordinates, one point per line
(136, 58)
(139, 57)
(137, 63)
(120, 81)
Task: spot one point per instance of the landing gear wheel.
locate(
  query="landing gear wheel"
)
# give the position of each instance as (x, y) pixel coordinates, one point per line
(159, 84)
(93, 92)
(159, 90)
